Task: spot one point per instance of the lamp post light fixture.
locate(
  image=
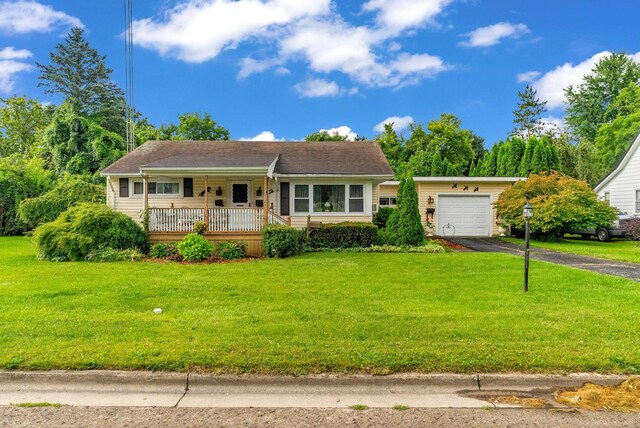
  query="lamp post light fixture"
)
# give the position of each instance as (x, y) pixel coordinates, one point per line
(527, 212)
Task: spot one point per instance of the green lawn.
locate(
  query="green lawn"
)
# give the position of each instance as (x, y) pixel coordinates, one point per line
(622, 250)
(345, 312)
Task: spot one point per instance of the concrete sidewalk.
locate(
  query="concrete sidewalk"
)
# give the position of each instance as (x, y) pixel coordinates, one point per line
(133, 389)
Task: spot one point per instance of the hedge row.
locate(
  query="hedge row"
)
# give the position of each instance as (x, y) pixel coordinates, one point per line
(343, 235)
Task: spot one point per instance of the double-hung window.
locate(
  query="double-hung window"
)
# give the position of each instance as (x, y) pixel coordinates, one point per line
(638, 200)
(157, 188)
(356, 198)
(301, 198)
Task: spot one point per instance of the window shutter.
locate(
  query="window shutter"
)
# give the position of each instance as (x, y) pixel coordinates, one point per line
(284, 198)
(188, 187)
(124, 187)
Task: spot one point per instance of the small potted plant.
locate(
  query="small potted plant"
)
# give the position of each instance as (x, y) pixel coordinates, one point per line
(429, 228)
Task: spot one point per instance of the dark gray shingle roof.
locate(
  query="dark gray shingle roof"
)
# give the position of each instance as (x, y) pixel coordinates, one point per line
(317, 157)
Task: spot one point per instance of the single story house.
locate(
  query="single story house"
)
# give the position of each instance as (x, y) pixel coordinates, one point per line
(622, 187)
(455, 206)
(236, 187)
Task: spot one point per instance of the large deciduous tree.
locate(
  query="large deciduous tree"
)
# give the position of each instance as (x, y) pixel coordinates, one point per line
(393, 147)
(22, 120)
(527, 118)
(588, 103)
(78, 145)
(193, 126)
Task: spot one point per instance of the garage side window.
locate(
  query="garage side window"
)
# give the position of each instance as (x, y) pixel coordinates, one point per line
(387, 201)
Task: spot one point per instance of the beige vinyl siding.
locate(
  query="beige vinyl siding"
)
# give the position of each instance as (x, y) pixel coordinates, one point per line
(426, 189)
(301, 221)
(134, 204)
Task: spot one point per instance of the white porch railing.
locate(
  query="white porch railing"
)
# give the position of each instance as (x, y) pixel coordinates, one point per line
(235, 219)
(220, 219)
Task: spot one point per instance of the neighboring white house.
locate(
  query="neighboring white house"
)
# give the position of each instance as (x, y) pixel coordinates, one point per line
(622, 187)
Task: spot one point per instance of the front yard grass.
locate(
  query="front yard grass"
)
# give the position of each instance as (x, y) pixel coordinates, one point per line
(623, 250)
(341, 313)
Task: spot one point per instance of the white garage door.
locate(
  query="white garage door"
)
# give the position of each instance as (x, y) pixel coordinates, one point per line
(464, 215)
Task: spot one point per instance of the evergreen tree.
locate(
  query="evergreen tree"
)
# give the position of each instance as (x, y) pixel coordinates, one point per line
(393, 222)
(525, 163)
(489, 163)
(539, 161)
(79, 74)
(436, 166)
(527, 118)
(408, 229)
(502, 159)
(472, 169)
(516, 152)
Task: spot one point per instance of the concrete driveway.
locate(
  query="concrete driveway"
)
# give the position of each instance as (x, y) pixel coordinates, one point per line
(606, 267)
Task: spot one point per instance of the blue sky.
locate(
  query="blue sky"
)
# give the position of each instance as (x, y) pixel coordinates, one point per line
(285, 68)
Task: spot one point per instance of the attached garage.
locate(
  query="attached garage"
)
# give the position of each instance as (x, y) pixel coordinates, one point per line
(464, 215)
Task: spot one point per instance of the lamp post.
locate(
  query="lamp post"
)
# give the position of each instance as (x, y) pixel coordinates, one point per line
(527, 211)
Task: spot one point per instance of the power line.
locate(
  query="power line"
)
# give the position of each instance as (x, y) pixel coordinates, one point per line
(129, 87)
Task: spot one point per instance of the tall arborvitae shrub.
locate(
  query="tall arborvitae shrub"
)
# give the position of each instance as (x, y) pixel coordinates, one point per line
(394, 218)
(409, 230)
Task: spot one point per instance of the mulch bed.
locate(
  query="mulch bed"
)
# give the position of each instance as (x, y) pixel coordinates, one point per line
(448, 244)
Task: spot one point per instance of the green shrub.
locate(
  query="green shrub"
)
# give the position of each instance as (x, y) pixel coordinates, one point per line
(384, 237)
(405, 225)
(282, 241)
(428, 247)
(231, 250)
(560, 203)
(382, 216)
(86, 227)
(162, 250)
(68, 192)
(344, 235)
(108, 254)
(195, 248)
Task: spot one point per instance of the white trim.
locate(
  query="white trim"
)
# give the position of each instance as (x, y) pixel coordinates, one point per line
(343, 176)
(471, 195)
(272, 167)
(620, 167)
(459, 179)
(180, 193)
(367, 196)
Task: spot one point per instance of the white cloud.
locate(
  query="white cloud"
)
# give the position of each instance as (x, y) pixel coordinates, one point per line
(342, 130)
(197, 30)
(31, 16)
(550, 85)
(399, 123)
(529, 76)
(313, 88)
(492, 34)
(311, 31)
(401, 14)
(263, 136)
(331, 46)
(11, 65)
(12, 53)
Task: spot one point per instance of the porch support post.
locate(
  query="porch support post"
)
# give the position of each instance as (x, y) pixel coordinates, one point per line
(265, 202)
(146, 214)
(206, 201)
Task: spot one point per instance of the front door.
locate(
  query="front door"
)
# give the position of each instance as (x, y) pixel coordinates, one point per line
(240, 194)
